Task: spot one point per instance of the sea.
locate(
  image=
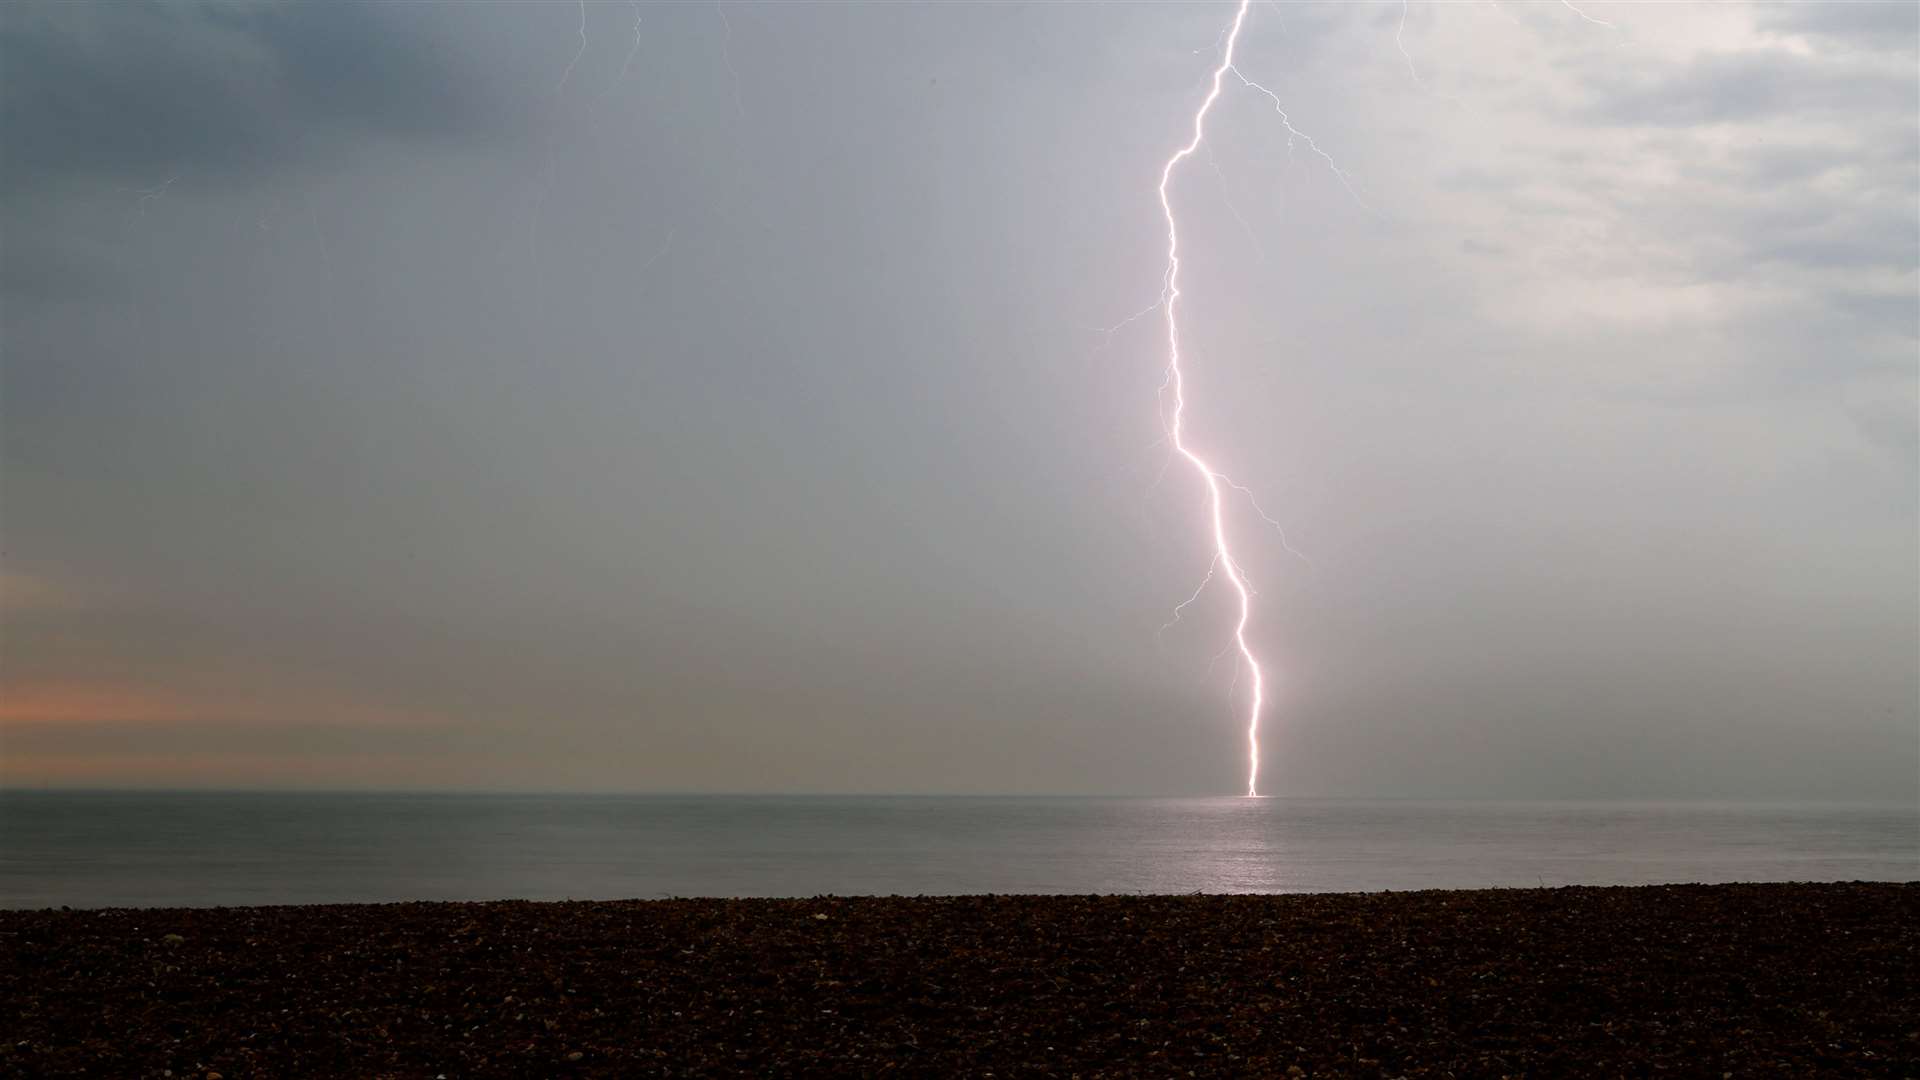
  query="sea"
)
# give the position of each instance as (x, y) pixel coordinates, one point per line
(99, 849)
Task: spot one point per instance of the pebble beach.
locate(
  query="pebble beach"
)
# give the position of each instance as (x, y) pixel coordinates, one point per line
(1719, 980)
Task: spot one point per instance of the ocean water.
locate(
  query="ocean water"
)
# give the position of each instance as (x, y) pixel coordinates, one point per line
(128, 849)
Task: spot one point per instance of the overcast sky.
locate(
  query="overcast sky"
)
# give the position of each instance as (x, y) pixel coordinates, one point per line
(449, 396)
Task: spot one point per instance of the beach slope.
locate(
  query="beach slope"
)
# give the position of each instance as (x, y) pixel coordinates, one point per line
(1693, 980)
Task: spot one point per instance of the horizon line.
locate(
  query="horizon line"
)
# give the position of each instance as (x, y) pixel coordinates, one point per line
(1910, 801)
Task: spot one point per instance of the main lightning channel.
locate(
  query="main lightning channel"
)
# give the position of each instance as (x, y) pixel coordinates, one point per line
(1223, 560)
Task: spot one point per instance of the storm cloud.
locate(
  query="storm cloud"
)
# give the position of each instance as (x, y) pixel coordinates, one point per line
(132, 95)
(742, 397)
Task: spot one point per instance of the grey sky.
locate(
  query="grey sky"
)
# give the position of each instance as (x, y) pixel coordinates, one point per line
(391, 399)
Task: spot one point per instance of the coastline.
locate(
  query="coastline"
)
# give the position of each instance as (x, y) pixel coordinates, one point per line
(1700, 979)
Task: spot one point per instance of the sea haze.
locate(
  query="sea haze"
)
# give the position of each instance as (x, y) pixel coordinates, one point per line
(96, 849)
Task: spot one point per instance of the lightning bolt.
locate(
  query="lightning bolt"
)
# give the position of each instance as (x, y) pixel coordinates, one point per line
(1223, 561)
(1223, 564)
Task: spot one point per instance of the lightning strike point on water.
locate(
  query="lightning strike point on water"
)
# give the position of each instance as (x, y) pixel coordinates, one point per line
(1223, 561)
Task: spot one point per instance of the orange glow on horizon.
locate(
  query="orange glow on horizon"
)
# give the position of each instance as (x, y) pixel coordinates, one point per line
(74, 703)
(80, 703)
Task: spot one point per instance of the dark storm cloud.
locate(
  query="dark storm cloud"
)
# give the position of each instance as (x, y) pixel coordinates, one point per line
(1874, 24)
(134, 94)
(1755, 227)
(1896, 312)
(1894, 430)
(1733, 87)
(1785, 159)
(1791, 164)
(1882, 240)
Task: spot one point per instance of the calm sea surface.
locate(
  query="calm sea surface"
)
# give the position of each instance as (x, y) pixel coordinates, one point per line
(95, 850)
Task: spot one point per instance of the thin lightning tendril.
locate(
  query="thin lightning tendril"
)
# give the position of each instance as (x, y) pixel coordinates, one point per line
(726, 54)
(1226, 196)
(1293, 133)
(1222, 655)
(147, 195)
(1402, 46)
(567, 73)
(1180, 609)
(545, 179)
(635, 47)
(1279, 529)
(1223, 560)
(1568, 4)
(1106, 332)
(1503, 12)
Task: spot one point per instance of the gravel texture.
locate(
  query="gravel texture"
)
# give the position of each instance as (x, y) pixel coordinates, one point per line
(1740, 980)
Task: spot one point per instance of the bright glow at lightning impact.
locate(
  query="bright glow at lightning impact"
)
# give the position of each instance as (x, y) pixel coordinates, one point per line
(1223, 561)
